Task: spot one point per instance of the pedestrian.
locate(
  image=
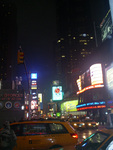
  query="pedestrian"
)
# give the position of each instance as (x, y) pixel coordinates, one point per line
(7, 137)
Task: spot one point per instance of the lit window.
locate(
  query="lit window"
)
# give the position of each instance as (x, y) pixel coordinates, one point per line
(83, 49)
(91, 37)
(62, 38)
(82, 40)
(58, 41)
(63, 56)
(74, 38)
(69, 34)
(85, 43)
(83, 56)
(84, 35)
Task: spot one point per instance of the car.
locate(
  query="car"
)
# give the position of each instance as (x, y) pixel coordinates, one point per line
(77, 124)
(89, 123)
(100, 140)
(43, 134)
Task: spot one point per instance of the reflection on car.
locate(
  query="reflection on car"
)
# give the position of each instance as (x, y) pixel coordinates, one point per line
(43, 134)
(100, 140)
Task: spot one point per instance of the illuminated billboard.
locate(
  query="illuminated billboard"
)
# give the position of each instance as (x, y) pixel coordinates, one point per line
(109, 79)
(33, 75)
(57, 93)
(69, 106)
(34, 104)
(33, 84)
(40, 97)
(111, 8)
(106, 26)
(92, 78)
(96, 74)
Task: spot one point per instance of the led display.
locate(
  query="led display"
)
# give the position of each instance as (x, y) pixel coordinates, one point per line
(69, 106)
(57, 93)
(34, 104)
(33, 75)
(111, 8)
(96, 74)
(40, 97)
(109, 79)
(92, 78)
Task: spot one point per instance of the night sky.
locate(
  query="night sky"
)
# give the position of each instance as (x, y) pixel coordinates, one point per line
(36, 20)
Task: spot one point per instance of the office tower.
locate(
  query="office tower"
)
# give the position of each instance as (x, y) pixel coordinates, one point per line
(75, 40)
(8, 37)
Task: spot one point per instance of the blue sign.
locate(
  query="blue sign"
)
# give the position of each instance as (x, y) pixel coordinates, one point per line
(8, 105)
(33, 75)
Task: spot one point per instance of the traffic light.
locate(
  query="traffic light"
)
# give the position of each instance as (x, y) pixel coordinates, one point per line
(20, 57)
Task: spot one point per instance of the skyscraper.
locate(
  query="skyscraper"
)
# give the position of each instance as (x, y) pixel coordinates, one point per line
(75, 39)
(8, 39)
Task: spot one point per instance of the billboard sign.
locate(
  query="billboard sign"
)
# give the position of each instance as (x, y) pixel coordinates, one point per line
(33, 75)
(111, 8)
(69, 106)
(92, 78)
(109, 79)
(106, 26)
(57, 94)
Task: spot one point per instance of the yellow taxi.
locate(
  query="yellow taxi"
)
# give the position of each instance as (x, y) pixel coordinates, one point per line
(43, 134)
(89, 123)
(77, 124)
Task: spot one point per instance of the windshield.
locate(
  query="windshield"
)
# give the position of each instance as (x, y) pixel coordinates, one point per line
(93, 142)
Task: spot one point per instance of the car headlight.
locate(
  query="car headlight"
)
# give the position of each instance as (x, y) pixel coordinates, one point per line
(83, 124)
(89, 124)
(97, 124)
(75, 124)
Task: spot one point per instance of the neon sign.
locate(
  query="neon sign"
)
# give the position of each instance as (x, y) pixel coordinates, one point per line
(92, 107)
(90, 87)
(92, 78)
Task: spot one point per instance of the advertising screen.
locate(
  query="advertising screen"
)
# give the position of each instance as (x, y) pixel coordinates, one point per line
(33, 75)
(57, 93)
(111, 8)
(92, 78)
(34, 104)
(96, 74)
(106, 26)
(109, 79)
(69, 106)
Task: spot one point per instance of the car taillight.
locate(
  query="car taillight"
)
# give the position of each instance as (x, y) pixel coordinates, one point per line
(74, 135)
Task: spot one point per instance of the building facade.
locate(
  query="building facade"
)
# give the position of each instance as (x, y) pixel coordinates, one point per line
(75, 40)
(8, 39)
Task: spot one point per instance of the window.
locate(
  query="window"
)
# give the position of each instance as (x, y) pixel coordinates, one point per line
(94, 141)
(34, 129)
(57, 128)
(17, 129)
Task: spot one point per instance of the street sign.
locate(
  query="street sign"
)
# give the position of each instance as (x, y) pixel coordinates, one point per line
(8, 104)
